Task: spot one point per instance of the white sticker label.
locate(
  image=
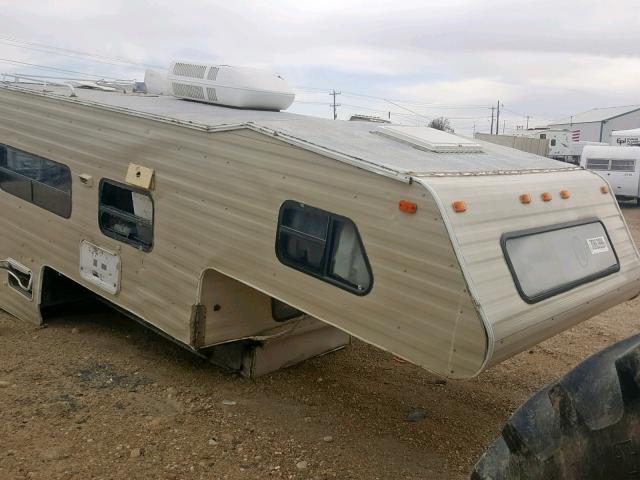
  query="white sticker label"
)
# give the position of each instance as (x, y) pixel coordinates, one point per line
(597, 245)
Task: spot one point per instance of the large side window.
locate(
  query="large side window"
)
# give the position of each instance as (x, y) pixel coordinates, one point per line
(324, 245)
(37, 180)
(126, 214)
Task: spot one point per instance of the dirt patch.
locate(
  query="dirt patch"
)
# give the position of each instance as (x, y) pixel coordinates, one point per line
(106, 375)
(97, 396)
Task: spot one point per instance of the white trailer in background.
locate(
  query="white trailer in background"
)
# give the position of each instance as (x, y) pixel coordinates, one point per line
(625, 138)
(576, 149)
(559, 140)
(619, 166)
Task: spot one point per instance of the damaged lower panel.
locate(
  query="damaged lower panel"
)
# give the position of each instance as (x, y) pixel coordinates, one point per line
(253, 357)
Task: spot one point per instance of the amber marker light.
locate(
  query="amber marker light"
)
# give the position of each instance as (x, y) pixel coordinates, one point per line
(604, 189)
(459, 206)
(564, 194)
(546, 197)
(525, 198)
(407, 207)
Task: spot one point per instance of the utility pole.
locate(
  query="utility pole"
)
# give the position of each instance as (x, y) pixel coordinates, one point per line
(504, 125)
(498, 118)
(492, 110)
(335, 105)
(528, 117)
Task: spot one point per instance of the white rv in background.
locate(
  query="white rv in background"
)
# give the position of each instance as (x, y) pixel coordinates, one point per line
(559, 140)
(576, 149)
(625, 138)
(619, 166)
(561, 146)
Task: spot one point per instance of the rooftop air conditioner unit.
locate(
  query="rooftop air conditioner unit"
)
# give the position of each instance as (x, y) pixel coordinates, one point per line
(240, 87)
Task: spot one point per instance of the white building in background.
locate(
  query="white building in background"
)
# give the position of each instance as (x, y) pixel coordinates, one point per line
(597, 124)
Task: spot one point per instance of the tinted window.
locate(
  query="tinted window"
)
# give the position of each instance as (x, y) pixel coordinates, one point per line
(553, 142)
(36, 179)
(323, 244)
(126, 214)
(623, 165)
(598, 163)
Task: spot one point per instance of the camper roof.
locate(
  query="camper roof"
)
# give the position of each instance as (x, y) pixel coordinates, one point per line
(350, 142)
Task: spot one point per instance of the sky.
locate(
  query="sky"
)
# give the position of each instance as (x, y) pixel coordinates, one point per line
(412, 60)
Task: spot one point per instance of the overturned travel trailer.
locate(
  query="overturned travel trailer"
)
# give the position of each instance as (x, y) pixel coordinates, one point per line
(262, 238)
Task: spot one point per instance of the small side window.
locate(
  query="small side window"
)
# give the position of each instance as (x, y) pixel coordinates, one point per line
(324, 245)
(543, 136)
(126, 214)
(553, 142)
(36, 179)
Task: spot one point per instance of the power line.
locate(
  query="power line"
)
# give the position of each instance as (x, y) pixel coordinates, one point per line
(44, 67)
(409, 102)
(413, 102)
(70, 53)
(362, 107)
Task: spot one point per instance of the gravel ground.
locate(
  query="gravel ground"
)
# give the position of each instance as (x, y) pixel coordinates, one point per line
(95, 395)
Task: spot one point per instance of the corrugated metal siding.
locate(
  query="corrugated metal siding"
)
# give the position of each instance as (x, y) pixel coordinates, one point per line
(216, 199)
(493, 208)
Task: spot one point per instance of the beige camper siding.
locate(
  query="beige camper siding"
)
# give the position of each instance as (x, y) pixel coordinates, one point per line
(216, 199)
(493, 208)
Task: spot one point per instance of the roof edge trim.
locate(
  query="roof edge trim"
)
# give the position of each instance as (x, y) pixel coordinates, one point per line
(401, 176)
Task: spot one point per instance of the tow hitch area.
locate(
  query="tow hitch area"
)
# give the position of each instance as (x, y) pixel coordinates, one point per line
(584, 425)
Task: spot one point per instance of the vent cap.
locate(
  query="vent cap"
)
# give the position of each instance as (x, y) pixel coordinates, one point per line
(430, 139)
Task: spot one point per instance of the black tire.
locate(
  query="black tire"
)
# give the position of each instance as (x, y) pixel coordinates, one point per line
(584, 426)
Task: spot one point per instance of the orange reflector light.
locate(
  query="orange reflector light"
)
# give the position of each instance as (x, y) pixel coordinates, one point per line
(604, 189)
(407, 207)
(564, 193)
(525, 198)
(546, 197)
(459, 206)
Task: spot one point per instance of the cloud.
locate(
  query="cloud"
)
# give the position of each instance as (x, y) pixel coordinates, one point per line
(541, 57)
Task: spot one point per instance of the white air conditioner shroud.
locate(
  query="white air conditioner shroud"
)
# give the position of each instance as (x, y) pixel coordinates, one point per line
(240, 87)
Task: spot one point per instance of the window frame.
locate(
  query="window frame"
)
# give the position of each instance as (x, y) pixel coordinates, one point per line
(625, 168)
(124, 215)
(328, 251)
(597, 159)
(551, 292)
(32, 181)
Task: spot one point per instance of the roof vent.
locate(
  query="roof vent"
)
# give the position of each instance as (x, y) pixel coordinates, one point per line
(240, 87)
(430, 139)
